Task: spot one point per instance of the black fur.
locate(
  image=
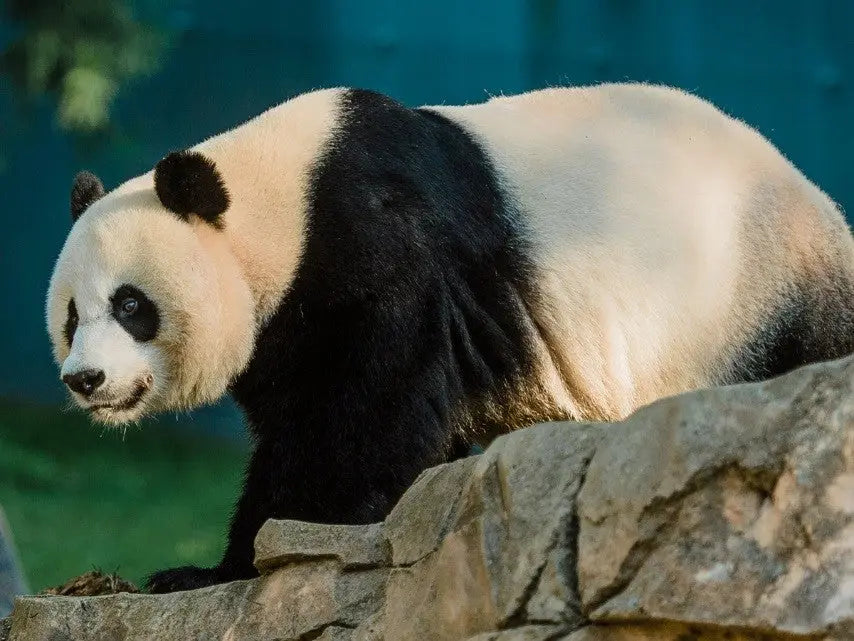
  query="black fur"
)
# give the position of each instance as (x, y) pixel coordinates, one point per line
(814, 319)
(71, 321)
(86, 189)
(814, 323)
(188, 182)
(407, 301)
(142, 324)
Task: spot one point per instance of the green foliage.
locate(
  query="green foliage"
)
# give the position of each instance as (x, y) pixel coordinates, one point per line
(78, 497)
(80, 52)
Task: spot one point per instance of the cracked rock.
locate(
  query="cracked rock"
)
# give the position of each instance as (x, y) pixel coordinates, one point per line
(355, 546)
(732, 507)
(426, 511)
(672, 631)
(524, 633)
(335, 633)
(516, 508)
(283, 605)
(720, 515)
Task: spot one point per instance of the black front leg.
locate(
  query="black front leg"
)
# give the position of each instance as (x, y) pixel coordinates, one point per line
(326, 474)
(349, 399)
(249, 514)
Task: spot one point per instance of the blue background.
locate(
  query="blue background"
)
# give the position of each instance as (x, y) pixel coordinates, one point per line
(786, 67)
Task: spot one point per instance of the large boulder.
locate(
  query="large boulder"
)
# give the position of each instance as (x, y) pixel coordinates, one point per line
(724, 514)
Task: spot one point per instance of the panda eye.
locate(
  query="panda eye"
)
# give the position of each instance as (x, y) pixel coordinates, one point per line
(135, 312)
(128, 307)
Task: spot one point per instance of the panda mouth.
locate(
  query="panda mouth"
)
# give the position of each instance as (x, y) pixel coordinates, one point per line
(124, 405)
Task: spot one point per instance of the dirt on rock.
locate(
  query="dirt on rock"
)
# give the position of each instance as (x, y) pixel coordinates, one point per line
(93, 583)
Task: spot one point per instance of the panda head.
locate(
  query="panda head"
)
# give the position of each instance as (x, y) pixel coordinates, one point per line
(147, 308)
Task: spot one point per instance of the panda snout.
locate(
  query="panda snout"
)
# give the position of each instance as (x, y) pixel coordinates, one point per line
(84, 382)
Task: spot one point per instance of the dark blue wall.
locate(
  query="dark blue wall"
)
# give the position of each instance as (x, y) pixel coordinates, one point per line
(787, 67)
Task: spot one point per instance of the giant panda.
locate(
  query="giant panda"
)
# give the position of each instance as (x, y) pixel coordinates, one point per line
(380, 287)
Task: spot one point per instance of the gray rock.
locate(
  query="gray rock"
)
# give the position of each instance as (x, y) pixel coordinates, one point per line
(523, 633)
(523, 490)
(355, 546)
(512, 522)
(446, 595)
(289, 603)
(732, 507)
(673, 631)
(335, 633)
(427, 510)
(721, 515)
(371, 629)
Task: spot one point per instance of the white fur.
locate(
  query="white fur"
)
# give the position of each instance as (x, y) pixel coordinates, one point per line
(655, 261)
(265, 165)
(212, 288)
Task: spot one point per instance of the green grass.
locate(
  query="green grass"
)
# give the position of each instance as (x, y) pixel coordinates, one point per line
(78, 496)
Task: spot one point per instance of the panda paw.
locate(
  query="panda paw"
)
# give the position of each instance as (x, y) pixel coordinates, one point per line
(188, 577)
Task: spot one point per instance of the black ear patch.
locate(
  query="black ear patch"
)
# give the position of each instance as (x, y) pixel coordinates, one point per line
(188, 182)
(87, 188)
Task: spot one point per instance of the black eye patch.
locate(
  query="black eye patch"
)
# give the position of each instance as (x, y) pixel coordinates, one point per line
(135, 312)
(71, 322)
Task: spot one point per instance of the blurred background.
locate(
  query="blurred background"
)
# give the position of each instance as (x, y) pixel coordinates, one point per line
(112, 85)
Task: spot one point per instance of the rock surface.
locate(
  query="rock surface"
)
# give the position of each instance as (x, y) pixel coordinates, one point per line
(725, 514)
(354, 546)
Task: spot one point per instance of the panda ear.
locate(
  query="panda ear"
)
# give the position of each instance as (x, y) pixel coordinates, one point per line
(87, 188)
(188, 182)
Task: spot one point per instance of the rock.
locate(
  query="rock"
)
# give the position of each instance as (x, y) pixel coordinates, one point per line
(371, 629)
(293, 602)
(514, 512)
(417, 525)
(445, 595)
(335, 633)
(676, 631)
(732, 507)
(523, 633)
(669, 632)
(523, 490)
(721, 515)
(354, 546)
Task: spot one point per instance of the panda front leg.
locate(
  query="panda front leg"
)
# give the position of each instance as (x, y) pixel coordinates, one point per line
(329, 493)
(249, 514)
(248, 517)
(331, 473)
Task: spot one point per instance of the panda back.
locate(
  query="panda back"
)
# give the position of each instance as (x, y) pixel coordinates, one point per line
(669, 240)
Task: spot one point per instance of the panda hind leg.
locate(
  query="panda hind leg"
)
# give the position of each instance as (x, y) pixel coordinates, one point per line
(813, 323)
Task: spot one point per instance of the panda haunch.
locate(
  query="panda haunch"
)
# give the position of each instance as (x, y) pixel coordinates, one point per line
(379, 287)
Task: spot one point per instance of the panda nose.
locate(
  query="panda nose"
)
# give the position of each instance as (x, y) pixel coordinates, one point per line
(84, 382)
